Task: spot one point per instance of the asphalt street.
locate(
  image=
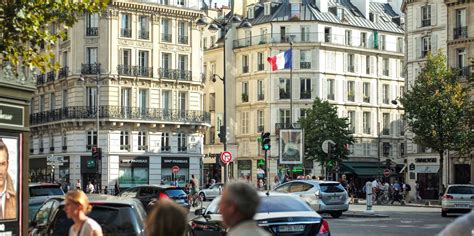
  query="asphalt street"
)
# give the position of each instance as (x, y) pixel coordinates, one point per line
(402, 220)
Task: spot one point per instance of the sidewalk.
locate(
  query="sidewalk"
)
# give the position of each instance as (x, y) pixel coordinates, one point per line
(424, 203)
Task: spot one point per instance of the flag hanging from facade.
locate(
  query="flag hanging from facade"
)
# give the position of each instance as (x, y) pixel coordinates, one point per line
(282, 60)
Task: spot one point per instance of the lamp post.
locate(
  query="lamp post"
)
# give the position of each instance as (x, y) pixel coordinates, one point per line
(224, 25)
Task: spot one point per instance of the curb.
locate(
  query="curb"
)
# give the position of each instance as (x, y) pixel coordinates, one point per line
(406, 205)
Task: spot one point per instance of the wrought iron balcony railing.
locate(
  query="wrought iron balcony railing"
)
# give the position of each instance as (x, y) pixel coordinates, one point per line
(140, 71)
(464, 71)
(50, 76)
(166, 38)
(183, 39)
(143, 34)
(126, 32)
(460, 32)
(90, 69)
(305, 95)
(386, 131)
(305, 65)
(92, 31)
(63, 72)
(260, 97)
(330, 96)
(40, 79)
(184, 75)
(119, 112)
(261, 67)
(124, 70)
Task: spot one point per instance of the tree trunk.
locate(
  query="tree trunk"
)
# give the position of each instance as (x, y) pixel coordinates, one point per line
(440, 173)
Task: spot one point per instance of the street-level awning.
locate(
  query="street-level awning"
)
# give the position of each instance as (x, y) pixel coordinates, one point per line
(363, 169)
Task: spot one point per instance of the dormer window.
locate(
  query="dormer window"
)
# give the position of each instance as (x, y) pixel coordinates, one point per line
(267, 8)
(295, 10)
(340, 13)
(251, 12)
(373, 17)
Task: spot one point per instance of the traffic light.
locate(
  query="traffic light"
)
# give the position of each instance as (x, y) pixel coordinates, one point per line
(266, 141)
(96, 153)
(222, 134)
(332, 151)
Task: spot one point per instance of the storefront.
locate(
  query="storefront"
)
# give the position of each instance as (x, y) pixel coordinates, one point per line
(39, 171)
(133, 171)
(211, 168)
(244, 169)
(64, 173)
(167, 175)
(427, 176)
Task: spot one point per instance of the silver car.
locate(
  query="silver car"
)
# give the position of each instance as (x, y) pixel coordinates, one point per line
(212, 192)
(323, 196)
(458, 198)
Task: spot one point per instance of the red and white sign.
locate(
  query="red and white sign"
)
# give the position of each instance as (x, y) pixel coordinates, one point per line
(386, 172)
(175, 169)
(226, 157)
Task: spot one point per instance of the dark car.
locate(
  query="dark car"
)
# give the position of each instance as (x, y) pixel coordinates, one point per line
(149, 194)
(38, 193)
(279, 214)
(116, 216)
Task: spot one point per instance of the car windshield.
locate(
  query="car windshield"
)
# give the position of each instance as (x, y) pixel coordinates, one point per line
(38, 191)
(175, 193)
(331, 187)
(114, 220)
(281, 204)
(461, 190)
(33, 208)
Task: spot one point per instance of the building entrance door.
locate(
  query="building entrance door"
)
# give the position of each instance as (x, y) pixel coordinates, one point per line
(462, 174)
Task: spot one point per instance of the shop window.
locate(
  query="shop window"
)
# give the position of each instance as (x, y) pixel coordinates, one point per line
(245, 169)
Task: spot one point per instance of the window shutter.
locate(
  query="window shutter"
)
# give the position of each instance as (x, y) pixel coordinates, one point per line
(372, 65)
(434, 43)
(392, 67)
(433, 14)
(276, 88)
(418, 48)
(418, 17)
(134, 141)
(356, 63)
(345, 62)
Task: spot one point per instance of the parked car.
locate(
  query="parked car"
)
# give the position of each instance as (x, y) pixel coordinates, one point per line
(323, 196)
(279, 214)
(39, 193)
(149, 194)
(458, 198)
(116, 216)
(212, 192)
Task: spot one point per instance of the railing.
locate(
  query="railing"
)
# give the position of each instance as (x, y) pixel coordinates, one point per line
(166, 38)
(140, 71)
(41, 150)
(184, 75)
(245, 69)
(92, 31)
(366, 130)
(284, 94)
(350, 98)
(386, 101)
(351, 68)
(245, 97)
(460, 32)
(261, 67)
(165, 148)
(315, 37)
(64, 148)
(143, 34)
(182, 39)
(464, 71)
(182, 148)
(386, 72)
(51, 149)
(260, 97)
(119, 112)
(50, 76)
(305, 95)
(40, 79)
(425, 22)
(305, 65)
(366, 99)
(90, 69)
(260, 128)
(63, 72)
(142, 147)
(127, 33)
(386, 131)
(124, 70)
(331, 96)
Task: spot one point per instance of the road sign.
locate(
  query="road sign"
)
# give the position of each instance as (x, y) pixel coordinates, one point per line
(226, 157)
(326, 144)
(386, 172)
(175, 169)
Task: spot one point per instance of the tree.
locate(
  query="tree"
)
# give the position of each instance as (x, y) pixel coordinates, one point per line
(322, 123)
(24, 28)
(439, 111)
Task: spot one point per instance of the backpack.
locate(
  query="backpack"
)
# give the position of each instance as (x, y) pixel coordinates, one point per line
(407, 187)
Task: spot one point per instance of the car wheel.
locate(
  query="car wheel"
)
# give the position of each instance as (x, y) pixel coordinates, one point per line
(202, 196)
(444, 214)
(336, 214)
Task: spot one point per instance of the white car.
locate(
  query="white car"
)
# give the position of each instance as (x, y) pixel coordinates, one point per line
(212, 192)
(458, 198)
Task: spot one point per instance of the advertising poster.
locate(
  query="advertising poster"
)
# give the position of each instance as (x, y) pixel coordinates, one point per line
(291, 146)
(9, 184)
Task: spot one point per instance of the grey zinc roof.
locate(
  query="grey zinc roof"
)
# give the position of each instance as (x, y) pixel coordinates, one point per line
(352, 15)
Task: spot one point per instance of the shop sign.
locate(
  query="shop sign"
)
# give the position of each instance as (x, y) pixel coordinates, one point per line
(11, 115)
(134, 161)
(412, 166)
(168, 162)
(427, 169)
(425, 160)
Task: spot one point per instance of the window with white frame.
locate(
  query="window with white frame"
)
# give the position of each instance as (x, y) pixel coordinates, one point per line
(305, 59)
(165, 142)
(263, 35)
(386, 67)
(351, 63)
(303, 113)
(91, 55)
(284, 88)
(367, 149)
(245, 64)
(367, 65)
(386, 123)
(126, 25)
(348, 37)
(260, 118)
(284, 117)
(182, 146)
(244, 120)
(366, 122)
(351, 91)
(92, 24)
(330, 89)
(305, 33)
(267, 8)
(382, 42)
(305, 88)
(245, 91)
(366, 92)
(352, 120)
(124, 140)
(183, 32)
(386, 93)
(166, 30)
(91, 139)
(91, 97)
(363, 39)
(143, 57)
(425, 15)
(142, 144)
(166, 64)
(295, 10)
(260, 61)
(144, 32)
(260, 91)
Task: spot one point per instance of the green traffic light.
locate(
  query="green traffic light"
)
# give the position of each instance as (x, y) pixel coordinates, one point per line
(266, 147)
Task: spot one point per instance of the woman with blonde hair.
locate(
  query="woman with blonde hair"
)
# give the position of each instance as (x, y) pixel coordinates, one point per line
(76, 206)
(166, 218)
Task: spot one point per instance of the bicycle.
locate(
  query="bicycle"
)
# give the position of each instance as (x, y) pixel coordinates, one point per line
(195, 200)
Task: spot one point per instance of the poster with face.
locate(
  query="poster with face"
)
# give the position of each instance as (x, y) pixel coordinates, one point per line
(8, 177)
(291, 146)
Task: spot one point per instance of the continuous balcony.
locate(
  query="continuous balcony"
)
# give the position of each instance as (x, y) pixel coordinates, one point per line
(460, 32)
(144, 34)
(166, 38)
(40, 79)
(92, 31)
(90, 69)
(183, 75)
(331, 39)
(125, 32)
(138, 71)
(120, 113)
(182, 39)
(50, 76)
(63, 72)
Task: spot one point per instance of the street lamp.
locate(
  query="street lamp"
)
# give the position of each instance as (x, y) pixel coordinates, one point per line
(224, 25)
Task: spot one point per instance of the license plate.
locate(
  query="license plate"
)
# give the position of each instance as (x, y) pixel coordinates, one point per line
(290, 228)
(461, 205)
(180, 201)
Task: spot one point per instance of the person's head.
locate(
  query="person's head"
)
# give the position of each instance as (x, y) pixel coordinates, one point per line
(192, 176)
(76, 203)
(313, 177)
(238, 203)
(166, 218)
(3, 164)
(78, 180)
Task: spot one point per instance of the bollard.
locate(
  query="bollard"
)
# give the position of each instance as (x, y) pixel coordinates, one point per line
(368, 197)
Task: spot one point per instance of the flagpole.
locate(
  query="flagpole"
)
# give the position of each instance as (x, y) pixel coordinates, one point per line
(291, 85)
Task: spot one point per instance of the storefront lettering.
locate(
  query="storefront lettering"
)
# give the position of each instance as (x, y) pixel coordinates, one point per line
(176, 161)
(425, 160)
(11, 115)
(137, 161)
(5, 116)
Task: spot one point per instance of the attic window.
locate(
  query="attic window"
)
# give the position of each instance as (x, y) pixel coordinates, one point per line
(295, 10)
(340, 13)
(373, 17)
(385, 18)
(266, 8)
(250, 12)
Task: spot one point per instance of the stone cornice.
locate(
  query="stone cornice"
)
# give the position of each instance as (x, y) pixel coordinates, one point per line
(158, 9)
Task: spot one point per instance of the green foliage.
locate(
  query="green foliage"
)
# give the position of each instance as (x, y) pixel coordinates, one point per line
(320, 124)
(24, 27)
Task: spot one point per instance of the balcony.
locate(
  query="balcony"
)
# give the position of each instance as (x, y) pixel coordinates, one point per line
(305, 65)
(166, 38)
(138, 71)
(165, 148)
(50, 76)
(425, 22)
(144, 34)
(260, 97)
(260, 128)
(367, 130)
(245, 97)
(305, 94)
(182, 39)
(63, 72)
(41, 150)
(142, 147)
(51, 149)
(245, 69)
(119, 112)
(182, 149)
(40, 79)
(460, 32)
(125, 147)
(366, 99)
(64, 148)
(284, 94)
(464, 71)
(90, 69)
(184, 75)
(351, 97)
(385, 131)
(92, 31)
(330, 96)
(124, 70)
(126, 33)
(261, 67)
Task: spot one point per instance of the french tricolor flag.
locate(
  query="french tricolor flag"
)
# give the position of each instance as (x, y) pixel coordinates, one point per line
(281, 60)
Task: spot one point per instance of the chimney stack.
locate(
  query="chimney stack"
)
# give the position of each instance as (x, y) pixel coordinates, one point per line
(322, 5)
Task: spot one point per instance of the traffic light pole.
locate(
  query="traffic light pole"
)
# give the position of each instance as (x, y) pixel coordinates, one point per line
(267, 170)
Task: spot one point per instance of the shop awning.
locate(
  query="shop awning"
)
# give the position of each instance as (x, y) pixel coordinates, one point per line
(363, 168)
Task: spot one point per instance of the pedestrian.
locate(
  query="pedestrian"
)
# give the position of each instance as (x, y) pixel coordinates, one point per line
(314, 177)
(166, 218)
(196, 182)
(238, 205)
(78, 184)
(462, 226)
(260, 185)
(76, 206)
(276, 180)
(116, 188)
(106, 190)
(406, 191)
(90, 187)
